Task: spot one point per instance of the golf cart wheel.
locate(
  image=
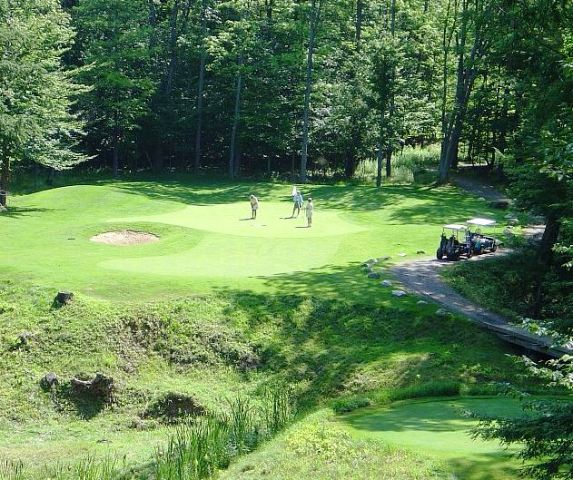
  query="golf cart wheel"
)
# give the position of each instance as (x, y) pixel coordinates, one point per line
(494, 247)
(470, 252)
(439, 254)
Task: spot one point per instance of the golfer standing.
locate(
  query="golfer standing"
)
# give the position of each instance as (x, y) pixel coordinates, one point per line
(298, 201)
(309, 212)
(254, 206)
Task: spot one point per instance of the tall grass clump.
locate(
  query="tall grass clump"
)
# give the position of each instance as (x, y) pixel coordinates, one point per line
(88, 469)
(278, 410)
(196, 450)
(200, 447)
(10, 470)
(406, 165)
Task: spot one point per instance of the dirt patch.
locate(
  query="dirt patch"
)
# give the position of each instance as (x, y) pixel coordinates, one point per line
(124, 237)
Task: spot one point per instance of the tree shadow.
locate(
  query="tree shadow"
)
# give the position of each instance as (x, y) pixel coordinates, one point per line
(17, 212)
(199, 192)
(324, 343)
(423, 204)
(84, 406)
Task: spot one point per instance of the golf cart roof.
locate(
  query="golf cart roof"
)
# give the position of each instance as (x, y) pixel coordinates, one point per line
(484, 222)
(454, 226)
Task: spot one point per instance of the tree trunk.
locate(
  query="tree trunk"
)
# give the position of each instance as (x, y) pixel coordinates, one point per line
(4, 181)
(115, 161)
(314, 17)
(200, 88)
(359, 17)
(236, 116)
(389, 163)
(379, 155)
(466, 73)
(544, 256)
(351, 159)
(549, 239)
(392, 96)
(168, 86)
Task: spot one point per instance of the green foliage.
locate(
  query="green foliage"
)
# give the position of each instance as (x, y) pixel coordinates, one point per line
(36, 90)
(508, 285)
(197, 450)
(545, 431)
(349, 404)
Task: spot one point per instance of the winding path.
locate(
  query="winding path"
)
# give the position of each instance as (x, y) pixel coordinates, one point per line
(423, 277)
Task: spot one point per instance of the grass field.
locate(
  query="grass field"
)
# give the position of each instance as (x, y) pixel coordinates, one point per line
(208, 242)
(440, 429)
(223, 306)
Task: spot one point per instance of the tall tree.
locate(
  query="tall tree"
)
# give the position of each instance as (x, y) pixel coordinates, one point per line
(200, 87)
(315, 10)
(36, 92)
(114, 38)
(471, 43)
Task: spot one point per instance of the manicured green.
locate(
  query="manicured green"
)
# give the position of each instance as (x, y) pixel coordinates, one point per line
(441, 429)
(208, 242)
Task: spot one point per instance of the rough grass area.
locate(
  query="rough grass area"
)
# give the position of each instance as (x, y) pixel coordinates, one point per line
(321, 448)
(211, 348)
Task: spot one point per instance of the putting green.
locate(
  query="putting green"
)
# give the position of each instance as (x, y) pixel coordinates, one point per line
(439, 428)
(273, 221)
(208, 241)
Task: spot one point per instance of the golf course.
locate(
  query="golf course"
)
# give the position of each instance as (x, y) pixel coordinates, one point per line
(208, 242)
(212, 304)
(286, 240)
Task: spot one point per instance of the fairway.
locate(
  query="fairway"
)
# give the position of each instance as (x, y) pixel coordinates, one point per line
(440, 429)
(208, 242)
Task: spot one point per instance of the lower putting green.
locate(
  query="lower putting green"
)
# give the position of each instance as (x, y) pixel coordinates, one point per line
(440, 429)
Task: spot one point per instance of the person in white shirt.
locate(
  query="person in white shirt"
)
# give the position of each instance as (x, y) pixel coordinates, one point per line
(298, 201)
(309, 212)
(254, 206)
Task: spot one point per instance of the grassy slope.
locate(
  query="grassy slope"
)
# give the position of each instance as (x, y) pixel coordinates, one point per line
(322, 348)
(334, 333)
(321, 448)
(370, 444)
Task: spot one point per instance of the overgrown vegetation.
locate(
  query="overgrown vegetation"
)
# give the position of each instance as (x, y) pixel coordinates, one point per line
(321, 348)
(508, 285)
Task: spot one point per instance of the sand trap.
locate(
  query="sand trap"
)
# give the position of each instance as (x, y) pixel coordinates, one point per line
(124, 237)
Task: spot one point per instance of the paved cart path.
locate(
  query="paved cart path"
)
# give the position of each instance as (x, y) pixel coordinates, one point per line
(423, 277)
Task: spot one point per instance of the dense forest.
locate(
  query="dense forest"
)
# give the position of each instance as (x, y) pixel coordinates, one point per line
(286, 86)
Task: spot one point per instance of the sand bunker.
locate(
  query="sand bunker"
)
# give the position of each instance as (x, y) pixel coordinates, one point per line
(124, 237)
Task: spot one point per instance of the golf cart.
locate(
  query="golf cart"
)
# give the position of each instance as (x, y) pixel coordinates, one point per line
(454, 242)
(481, 243)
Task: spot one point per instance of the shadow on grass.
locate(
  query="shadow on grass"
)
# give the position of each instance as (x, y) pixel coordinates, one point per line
(17, 212)
(433, 205)
(490, 466)
(326, 341)
(85, 407)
